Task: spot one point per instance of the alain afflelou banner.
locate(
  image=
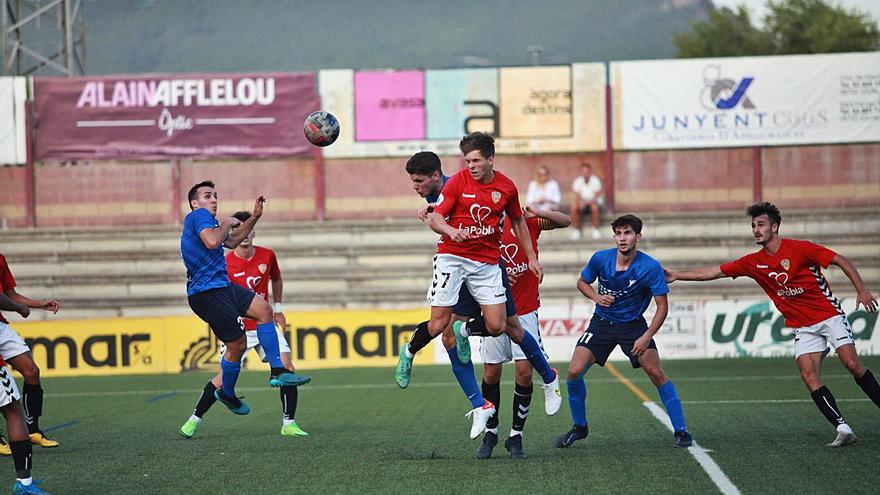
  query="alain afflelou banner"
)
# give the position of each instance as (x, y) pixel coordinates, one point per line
(175, 115)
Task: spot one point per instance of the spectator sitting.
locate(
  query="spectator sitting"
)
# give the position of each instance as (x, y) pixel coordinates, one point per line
(587, 199)
(543, 193)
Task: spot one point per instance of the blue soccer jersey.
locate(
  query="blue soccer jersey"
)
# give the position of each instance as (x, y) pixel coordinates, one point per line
(632, 288)
(432, 198)
(205, 268)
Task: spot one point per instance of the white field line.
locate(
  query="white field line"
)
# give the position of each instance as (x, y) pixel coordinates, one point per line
(712, 469)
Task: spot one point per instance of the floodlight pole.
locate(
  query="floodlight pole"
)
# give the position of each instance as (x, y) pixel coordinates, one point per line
(27, 22)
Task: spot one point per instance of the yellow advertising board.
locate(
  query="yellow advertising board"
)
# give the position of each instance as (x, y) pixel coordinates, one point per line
(121, 346)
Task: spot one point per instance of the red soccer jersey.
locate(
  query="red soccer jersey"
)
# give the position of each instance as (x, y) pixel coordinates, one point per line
(793, 279)
(523, 283)
(477, 208)
(7, 281)
(253, 274)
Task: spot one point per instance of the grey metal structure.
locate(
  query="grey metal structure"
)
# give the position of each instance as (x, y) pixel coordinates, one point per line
(43, 37)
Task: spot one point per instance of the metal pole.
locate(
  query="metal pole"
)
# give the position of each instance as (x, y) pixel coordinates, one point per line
(757, 174)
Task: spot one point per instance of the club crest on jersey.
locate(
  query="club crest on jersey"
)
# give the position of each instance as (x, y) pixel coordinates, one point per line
(496, 196)
(785, 264)
(262, 268)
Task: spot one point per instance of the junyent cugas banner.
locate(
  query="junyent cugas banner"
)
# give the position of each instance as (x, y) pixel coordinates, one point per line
(529, 109)
(13, 146)
(338, 339)
(724, 102)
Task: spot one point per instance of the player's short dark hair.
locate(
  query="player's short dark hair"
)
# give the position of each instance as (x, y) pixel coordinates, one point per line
(478, 141)
(424, 163)
(765, 208)
(242, 216)
(633, 221)
(194, 190)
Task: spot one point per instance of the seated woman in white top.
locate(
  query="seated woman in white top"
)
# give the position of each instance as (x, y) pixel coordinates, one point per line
(543, 193)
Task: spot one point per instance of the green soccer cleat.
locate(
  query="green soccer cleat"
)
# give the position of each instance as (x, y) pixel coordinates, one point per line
(293, 430)
(189, 428)
(462, 344)
(404, 368)
(288, 378)
(235, 404)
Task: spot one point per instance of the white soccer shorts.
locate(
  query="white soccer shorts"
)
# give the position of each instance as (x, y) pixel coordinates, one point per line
(8, 388)
(501, 350)
(483, 281)
(815, 338)
(11, 343)
(254, 343)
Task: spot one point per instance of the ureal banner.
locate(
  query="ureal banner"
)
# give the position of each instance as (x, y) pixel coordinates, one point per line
(726, 102)
(165, 116)
(529, 109)
(13, 146)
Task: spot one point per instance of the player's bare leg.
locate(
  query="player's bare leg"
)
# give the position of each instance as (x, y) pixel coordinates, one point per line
(20, 444)
(581, 360)
(289, 400)
(535, 355)
(31, 397)
(650, 362)
(491, 388)
(810, 365)
(863, 376)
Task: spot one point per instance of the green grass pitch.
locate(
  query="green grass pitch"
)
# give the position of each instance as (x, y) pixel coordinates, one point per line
(368, 436)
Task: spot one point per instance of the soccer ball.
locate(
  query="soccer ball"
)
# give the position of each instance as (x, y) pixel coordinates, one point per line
(321, 128)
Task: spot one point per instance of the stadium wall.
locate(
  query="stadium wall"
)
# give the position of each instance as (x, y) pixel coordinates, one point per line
(334, 339)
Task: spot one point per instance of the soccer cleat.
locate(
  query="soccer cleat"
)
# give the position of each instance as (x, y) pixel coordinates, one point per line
(5, 449)
(39, 438)
(576, 433)
(33, 489)
(843, 439)
(189, 428)
(683, 439)
(293, 430)
(480, 417)
(552, 396)
(490, 440)
(404, 368)
(514, 446)
(235, 404)
(462, 344)
(287, 378)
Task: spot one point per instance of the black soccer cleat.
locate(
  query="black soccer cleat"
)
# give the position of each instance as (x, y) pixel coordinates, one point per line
(576, 433)
(514, 446)
(490, 440)
(683, 439)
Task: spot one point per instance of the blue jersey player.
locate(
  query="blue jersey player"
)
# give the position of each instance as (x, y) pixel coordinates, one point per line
(220, 303)
(627, 280)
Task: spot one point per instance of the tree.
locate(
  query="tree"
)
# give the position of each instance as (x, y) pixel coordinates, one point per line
(791, 26)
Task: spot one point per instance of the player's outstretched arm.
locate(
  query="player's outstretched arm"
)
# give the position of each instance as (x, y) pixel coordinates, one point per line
(700, 274)
(7, 304)
(863, 295)
(48, 305)
(551, 219)
(521, 232)
(247, 226)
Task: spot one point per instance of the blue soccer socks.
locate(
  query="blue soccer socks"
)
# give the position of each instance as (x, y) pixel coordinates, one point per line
(229, 372)
(577, 401)
(268, 337)
(464, 373)
(532, 350)
(672, 403)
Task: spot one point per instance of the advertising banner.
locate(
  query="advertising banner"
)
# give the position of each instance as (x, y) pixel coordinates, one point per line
(754, 328)
(747, 101)
(122, 346)
(13, 142)
(528, 109)
(165, 116)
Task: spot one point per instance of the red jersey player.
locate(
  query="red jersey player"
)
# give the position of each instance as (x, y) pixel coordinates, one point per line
(19, 356)
(498, 350)
(474, 201)
(790, 272)
(254, 267)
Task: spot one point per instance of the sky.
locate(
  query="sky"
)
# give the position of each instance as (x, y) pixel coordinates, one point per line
(757, 8)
